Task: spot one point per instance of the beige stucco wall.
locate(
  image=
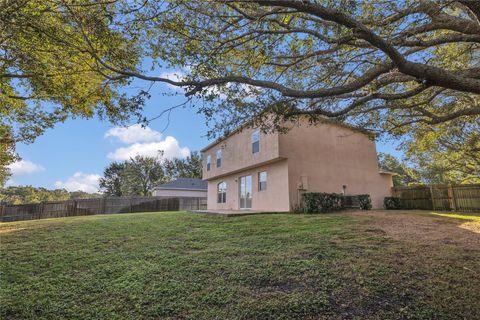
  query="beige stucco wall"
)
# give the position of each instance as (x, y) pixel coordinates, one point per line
(323, 158)
(275, 198)
(179, 193)
(327, 156)
(237, 153)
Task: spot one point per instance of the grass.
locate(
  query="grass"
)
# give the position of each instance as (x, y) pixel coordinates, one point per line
(463, 216)
(190, 266)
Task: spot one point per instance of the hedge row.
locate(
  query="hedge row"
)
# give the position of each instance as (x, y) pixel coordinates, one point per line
(315, 202)
(365, 201)
(392, 203)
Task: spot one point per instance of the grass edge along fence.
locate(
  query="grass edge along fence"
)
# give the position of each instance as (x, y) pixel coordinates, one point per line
(83, 207)
(461, 197)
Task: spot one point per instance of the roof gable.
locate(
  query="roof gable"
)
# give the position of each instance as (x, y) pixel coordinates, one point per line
(184, 183)
(303, 120)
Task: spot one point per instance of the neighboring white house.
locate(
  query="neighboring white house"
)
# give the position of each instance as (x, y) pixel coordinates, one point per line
(182, 187)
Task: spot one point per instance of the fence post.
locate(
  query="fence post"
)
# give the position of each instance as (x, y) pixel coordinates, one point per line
(433, 197)
(451, 196)
(103, 206)
(75, 205)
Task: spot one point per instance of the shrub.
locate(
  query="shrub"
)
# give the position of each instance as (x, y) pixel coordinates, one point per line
(298, 208)
(314, 202)
(364, 201)
(392, 203)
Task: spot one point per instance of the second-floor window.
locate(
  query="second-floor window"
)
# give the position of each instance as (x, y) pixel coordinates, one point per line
(222, 192)
(262, 181)
(255, 141)
(209, 162)
(219, 158)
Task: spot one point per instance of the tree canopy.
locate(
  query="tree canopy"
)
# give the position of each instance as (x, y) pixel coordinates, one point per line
(139, 175)
(29, 194)
(190, 167)
(113, 179)
(404, 174)
(392, 66)
(7, 152)
(447, 153)
(46, 75)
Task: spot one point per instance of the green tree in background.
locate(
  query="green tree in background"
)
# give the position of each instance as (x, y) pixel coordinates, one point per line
(7, 153)
(431, 163)
(29, 194)
(449, 153)
(141, 174)
(189, 167)
(113, 177)
(404, 175)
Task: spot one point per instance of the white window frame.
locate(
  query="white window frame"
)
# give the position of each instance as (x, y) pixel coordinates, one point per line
(255, 141)
(218, 154)
(260, 181)
(222, 192)
(209, 162)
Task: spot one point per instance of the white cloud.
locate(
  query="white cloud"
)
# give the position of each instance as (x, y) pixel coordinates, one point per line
(80, 182)
(250, 91)
(179, 75)
(144, 142)
(169, 146)
(175, 75)
(134, 133)
(24, 167)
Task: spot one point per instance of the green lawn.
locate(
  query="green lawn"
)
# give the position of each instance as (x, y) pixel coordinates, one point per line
(186, 265)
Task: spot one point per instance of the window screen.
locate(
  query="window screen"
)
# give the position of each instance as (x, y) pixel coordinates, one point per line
(219, 157)
(209, 162)
(255, 141)
(262, 181)
(222, 192)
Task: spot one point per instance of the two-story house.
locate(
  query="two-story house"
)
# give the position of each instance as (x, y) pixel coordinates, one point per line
(269, 172)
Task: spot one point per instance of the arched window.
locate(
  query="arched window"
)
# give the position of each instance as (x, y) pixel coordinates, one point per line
(222, 192)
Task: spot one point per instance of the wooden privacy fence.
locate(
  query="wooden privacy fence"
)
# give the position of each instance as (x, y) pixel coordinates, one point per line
(462, 197)
(83, 207)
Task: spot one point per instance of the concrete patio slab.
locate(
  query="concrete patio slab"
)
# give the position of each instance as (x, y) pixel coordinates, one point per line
(231, 213)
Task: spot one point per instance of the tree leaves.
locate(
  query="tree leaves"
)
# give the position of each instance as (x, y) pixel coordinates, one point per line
(139, 175)
(391, 66)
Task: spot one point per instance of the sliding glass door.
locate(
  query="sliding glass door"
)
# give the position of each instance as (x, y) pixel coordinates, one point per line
(246, 192)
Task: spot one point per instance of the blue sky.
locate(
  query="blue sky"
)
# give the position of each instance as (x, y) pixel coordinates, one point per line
(73, 154)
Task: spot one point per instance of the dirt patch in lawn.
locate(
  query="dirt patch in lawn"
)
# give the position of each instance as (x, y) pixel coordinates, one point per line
(7, 230)
(422, 227)
(471, 226)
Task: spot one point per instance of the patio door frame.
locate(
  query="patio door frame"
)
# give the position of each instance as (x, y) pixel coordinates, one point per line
(246, 191)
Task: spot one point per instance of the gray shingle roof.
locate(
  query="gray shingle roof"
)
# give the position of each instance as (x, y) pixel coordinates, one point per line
(184, 183)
